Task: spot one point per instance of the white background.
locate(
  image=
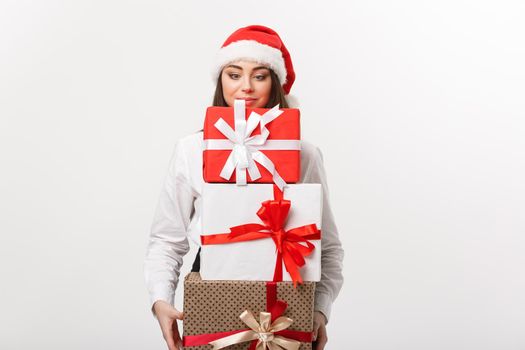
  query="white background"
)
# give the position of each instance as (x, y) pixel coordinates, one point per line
(418, 107)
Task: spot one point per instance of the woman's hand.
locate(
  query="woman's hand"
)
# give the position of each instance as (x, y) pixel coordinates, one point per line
(167, 316)
(320, 338)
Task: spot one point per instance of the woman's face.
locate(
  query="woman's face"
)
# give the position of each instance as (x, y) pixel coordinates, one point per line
(249, 81)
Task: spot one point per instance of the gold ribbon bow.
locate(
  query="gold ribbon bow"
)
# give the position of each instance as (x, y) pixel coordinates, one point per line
(263, 332)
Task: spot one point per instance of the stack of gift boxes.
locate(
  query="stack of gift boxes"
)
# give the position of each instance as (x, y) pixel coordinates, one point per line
(261, 238)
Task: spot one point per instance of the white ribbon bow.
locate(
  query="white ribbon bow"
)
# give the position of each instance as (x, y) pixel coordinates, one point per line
(246, 149)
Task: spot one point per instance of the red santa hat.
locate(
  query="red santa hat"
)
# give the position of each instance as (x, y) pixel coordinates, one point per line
(260, 44)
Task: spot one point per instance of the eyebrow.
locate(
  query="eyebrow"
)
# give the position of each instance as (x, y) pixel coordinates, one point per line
(239, 67)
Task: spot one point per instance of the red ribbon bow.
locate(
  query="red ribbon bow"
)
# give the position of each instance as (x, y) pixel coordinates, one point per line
(289, 244)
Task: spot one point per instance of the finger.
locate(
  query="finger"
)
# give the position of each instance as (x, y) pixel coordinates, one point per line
(167, 332)
(176, 334)
(171, 344)
(177, 314)
(322, 339)
(315, 331)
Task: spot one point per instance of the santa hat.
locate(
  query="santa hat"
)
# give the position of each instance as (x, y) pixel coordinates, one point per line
(260, 44)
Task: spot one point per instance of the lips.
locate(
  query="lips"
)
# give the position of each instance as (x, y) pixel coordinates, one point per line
(249, 100)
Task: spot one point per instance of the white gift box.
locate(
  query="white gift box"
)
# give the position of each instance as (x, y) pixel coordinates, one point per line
(227, 205)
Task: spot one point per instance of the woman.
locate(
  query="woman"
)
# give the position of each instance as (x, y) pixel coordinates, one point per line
(253, 64)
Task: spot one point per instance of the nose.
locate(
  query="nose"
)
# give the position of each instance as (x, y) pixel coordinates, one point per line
(247, 85)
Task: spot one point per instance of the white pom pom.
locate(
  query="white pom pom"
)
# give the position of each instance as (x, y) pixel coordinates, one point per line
(293, 102)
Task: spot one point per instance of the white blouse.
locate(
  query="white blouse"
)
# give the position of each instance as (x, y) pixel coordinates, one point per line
(177, 218)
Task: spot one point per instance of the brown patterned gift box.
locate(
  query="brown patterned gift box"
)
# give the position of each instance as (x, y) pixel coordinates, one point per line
(212, 307)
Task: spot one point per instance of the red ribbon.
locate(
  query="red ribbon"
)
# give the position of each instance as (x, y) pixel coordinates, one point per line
(274, 306)
(289, 243)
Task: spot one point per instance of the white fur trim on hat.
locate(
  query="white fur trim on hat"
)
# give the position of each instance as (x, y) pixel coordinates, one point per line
(293, 101)
(253, 51)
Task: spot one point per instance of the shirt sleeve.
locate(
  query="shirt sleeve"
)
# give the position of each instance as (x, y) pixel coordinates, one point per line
(332, 252)
(168, 242)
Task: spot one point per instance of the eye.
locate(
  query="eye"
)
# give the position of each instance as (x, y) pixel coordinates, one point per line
(260, 77)
(234, 76)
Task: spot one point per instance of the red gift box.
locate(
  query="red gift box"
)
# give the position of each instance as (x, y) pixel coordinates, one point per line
(241, 144)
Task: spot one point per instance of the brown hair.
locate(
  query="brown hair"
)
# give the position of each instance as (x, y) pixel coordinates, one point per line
(276, 93)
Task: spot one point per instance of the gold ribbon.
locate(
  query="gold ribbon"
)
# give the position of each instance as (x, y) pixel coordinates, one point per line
(263, 332)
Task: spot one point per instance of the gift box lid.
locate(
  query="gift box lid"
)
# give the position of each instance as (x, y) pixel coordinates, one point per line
(284, 127)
